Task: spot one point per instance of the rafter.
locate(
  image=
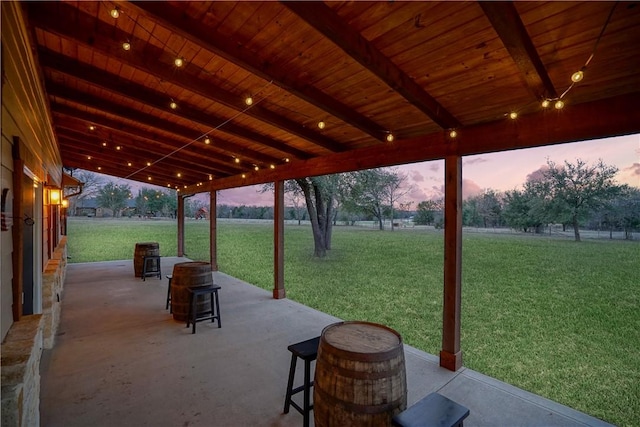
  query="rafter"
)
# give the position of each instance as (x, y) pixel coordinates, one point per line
(331, 26)
(209, 155)
(506, 21)
(61, 19)
(191, 29)
(144, 95)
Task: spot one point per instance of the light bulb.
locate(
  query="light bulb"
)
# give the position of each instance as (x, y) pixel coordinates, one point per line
(559, 104)
(256, 167)
(99, 168)
(321, 124)
(237, 160)
(244, 176)
(88, 157)
(453, 134)
(129, 164)
(513, 115)
(546, 103)
(149, 178)
(207, 141)
(115, 13)
(118, 148)
(179, 62)
(148, 163)
(248, 100)
(126, 46)
(272, 166)
(173, 105)
(210, 177)
(104, 144)
(577, 76)
(390, 137)
(92, 127)
(179, 175)
(286, 160)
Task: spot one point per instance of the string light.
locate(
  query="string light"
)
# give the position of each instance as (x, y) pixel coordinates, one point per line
(88, 157)
(179, 175)
(546, 103)
(321, 124)
(453, 133)
(559, 104)
(237, 160)
(118, 148)
(248, 100)
(577, 76)
(104, 143)
(513, 115)
(179, 62)
(92, 127)
(126, 46)
(99, 168)
(129, 164)
(207, 141)
(244, 176)
(148, 178)
(390, 137)
(272, 166)
(115, 12)
(286, 160)
(173, 105)
(210, 177)
(148, 163)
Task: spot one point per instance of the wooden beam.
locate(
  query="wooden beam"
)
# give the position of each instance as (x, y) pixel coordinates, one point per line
(451, 354)
(105, 81)
(278, 241)
(599, 119)
(506, 21)
(213, 230)
(331, 26)
(192, 29)
(69, 23)
(180, 225)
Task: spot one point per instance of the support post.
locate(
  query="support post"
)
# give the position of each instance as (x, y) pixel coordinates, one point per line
(180, 225)
(278, 241)
(213, 230)
(451, 354)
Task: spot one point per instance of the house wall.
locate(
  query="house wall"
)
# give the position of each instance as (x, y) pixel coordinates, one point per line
(26, 123)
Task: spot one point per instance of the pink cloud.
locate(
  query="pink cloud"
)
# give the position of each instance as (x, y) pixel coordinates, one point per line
(475, 160)
(470, 189)
(416, 176)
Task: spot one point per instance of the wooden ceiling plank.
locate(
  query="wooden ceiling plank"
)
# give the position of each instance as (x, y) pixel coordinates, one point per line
(237, 152)
(506, 21)
(157, 100)
(244, 58)
(92, 34)
(324, 20)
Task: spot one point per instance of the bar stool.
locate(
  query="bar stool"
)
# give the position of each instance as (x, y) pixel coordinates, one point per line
(169, 276)
(307, 351)
(194, 316)
(151, 266)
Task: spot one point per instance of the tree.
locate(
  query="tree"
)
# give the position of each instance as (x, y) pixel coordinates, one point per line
(623, 212)
(153, 202)
(114, 197)
(577, 189)
(91, 188)
(374, 192)
(426, 210)
(319, 194)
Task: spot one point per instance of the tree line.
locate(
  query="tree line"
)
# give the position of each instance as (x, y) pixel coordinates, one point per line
(571, 194)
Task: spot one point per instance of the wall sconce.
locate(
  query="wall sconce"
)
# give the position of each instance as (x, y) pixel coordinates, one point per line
(55, 196)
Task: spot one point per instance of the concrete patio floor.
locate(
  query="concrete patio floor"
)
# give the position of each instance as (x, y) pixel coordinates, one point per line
(121, 360)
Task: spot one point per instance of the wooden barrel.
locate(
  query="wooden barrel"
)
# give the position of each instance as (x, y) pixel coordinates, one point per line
(189, 275)
(143, 250)
(360, 377)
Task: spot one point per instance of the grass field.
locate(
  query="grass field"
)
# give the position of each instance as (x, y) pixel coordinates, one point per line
(552, 316)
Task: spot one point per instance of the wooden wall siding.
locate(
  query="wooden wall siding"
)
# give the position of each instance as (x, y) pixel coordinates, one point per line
(365, 68)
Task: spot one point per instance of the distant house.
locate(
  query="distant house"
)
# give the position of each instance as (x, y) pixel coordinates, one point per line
(90, 208)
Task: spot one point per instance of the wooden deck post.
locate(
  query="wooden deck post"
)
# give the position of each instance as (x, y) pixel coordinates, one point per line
(451, 354)
(180, 225)
(213, 230)
(278, 241)
(17, 229)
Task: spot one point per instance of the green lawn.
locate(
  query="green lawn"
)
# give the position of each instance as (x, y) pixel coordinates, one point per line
(558, 318)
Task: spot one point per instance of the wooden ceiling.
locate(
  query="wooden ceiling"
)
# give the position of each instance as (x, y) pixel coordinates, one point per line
(415, 70)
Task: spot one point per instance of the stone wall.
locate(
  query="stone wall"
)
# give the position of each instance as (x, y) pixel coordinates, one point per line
(52, 286)
(22, 348)
(21, 353)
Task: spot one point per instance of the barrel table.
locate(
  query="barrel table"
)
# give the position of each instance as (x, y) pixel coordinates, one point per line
(360, 377)
(189, 275)
(142, 250)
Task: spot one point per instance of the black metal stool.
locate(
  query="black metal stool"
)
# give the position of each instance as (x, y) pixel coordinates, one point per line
(151, 266)
(435, 410)
(307, 351)
(169, 276)
(194, 316)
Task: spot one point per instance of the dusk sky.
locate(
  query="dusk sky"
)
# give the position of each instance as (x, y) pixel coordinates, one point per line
(499, 171)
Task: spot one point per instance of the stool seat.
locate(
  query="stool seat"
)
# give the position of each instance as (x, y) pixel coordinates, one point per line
(151, 266)
(434, 410)
(194, 315)
(307, 351)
